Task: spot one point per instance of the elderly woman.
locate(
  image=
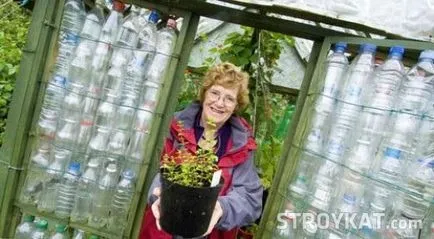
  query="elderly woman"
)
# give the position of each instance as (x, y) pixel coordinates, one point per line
(224, 91)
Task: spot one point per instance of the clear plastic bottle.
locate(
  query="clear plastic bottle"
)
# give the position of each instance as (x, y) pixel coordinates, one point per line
(348, 108)
(60, 232)
(381, 97)
(349, 193)
(98, 143)
(86, 123)
(136, 147)
(103, 49)
(115, 77)
(304, 173)
(120, 204)
(323, 185)
(416, 91)
(67, 191)
(166, 39)
(420, 173)
(53, 99)
(26, 228)
(79, 234)
(54, 173)
(41, 230)
(335, 69)
(72, 23)
(102, 196)
(79, 72)
(105, 112)
(358, 76)
(66, 135)
(83, 200)
(118, 142)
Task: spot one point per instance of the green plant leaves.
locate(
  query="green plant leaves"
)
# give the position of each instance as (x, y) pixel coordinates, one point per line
(14, 23)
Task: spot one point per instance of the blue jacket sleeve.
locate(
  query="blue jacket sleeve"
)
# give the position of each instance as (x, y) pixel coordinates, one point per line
(243, 203)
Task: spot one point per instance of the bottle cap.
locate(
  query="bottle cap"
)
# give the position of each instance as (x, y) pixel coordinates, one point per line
(154, 16)
(29, 218)
(118, 6)
(340, 47)
(427, 54)
(396, 51)
(60, 228)
(74, 167)
(368, 47)
(128, 174)
(111, 168)
(42, 224)
(94, 237)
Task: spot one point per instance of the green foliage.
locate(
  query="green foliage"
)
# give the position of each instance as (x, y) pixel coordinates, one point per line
(14, 23)
(193, 170)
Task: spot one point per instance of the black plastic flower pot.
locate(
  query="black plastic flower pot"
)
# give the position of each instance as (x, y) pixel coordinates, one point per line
(187, 211)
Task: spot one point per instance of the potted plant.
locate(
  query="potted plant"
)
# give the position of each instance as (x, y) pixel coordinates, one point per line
(191, 183)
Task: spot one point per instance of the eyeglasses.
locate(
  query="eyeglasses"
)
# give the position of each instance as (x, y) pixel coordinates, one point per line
(215, 95)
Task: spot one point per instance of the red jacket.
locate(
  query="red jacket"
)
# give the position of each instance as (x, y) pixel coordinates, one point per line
(241, 195)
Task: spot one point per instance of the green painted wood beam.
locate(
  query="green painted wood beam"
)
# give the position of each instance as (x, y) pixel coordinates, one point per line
(22, 105)
(166, 105)
(286, 163)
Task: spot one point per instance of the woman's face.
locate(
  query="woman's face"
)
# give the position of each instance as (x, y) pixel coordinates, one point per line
(219, 104)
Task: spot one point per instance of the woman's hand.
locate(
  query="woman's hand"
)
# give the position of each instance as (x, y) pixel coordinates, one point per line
(216, 215)
(156, 206)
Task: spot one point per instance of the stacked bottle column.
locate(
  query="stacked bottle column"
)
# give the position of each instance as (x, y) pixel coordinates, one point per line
(366, 151)
(97, 113)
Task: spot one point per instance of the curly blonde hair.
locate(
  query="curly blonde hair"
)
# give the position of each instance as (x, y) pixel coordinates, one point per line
(229, 76)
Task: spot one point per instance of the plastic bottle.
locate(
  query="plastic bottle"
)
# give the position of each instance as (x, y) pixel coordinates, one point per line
(348, 108)
(336, 67)
(136, 147)
(72, 23)
(36, 173)
(79, 72)
(79, 234)
(54, 95)
(83, 200)
(41, 230)
(54, 174)
(166, 39)
(381, 98)
(102, 196)
(120, 204)
(322, 186)
(141, 58)
(105, 112)
(349, 193)
(115, 76)
(103, 49)
(118, 142)
(67, 191)
(86, 123)
(60, 232)
(420, 171)
(66, 135)
(416, 92)
(304, 173)
(98, 143)
(26, 228)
